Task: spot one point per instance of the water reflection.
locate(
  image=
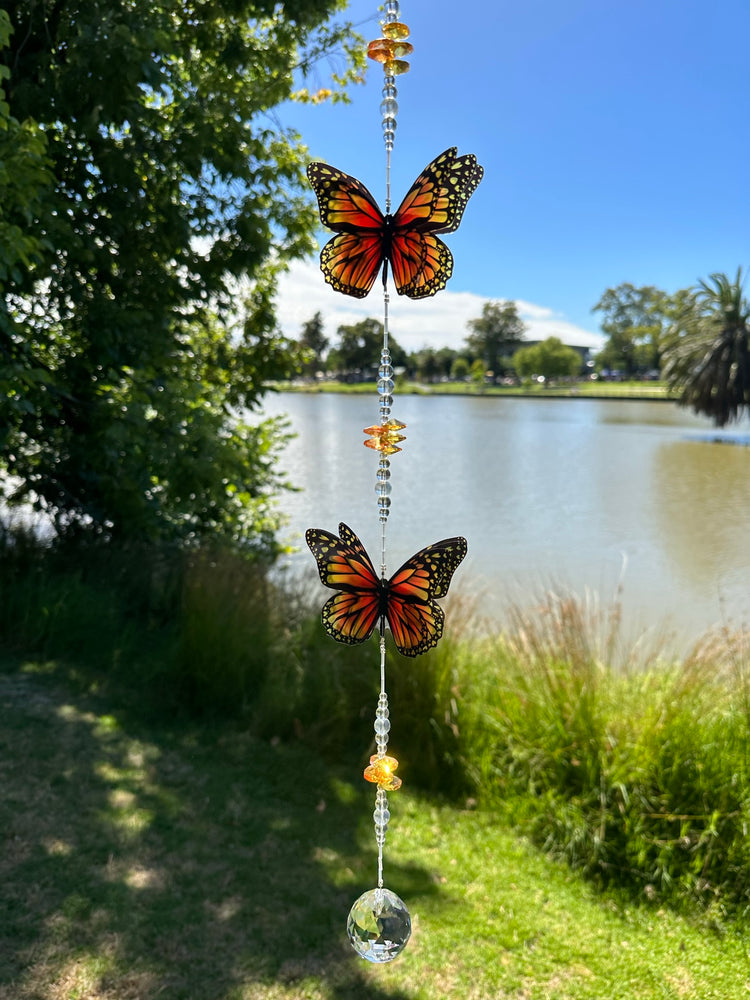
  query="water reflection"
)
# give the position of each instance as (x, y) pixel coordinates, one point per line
(702, 500)
(575, 492)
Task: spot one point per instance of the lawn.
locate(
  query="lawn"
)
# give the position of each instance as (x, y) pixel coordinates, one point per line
(193, 862)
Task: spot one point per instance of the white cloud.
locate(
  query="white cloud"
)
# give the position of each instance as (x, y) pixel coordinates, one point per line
(435, 322)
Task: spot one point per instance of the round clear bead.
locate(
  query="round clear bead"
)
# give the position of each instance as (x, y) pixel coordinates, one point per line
(382, 817)
(383, 473)
(389, 125)
(385, 387)
(382, 726)
(389, 107)
(385, 370)
(386, 400)
(383, 516)
(383, 489)
(384, 503)
(385, 411)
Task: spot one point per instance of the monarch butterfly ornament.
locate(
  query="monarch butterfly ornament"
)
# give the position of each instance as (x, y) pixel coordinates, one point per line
(421, 263)
(406, 601)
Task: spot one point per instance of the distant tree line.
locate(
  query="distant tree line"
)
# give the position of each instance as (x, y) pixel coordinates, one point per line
(696, 338)
(494, 349)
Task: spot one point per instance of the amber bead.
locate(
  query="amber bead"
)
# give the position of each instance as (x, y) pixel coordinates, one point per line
(396, 30)
(380, 772)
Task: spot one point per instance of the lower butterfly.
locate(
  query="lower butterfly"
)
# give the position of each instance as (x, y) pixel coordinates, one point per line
(365, 600)
(421, 263)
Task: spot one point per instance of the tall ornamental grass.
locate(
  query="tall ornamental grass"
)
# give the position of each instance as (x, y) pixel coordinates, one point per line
(632, 765)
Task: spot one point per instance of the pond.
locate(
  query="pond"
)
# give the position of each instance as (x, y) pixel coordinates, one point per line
(639, 500)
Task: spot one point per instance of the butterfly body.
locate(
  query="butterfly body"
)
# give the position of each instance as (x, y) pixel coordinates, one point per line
(364, 600)
(366, 238)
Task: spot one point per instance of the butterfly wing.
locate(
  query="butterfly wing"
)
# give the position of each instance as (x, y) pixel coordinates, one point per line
(421, 264)
(435, 203)
(343, 564)
(415, 619)
(436, 200)
(350, 261)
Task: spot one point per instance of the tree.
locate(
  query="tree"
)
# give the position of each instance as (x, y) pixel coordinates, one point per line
(707, 358)
(495, 334)
(160, 180)
(460, 369)
(635, 321)
(551, 358)
(313, 343)
(359, 346)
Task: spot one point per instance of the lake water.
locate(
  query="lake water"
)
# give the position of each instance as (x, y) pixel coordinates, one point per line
(569, 493)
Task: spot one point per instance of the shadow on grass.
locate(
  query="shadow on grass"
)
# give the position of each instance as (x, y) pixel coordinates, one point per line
(194, 864)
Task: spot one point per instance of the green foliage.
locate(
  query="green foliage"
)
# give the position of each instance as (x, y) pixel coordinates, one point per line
(497, 332)
(358, 348)
(460, 369)
(635, 321)
(147, 178)
(313, 343)
(551, 359)
(632, 767)
(708, 352)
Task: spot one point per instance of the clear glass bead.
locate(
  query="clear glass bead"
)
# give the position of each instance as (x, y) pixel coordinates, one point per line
(389, 125)
(389, 92)
(386, 400)
(389, 107)
(381, 816)
(383, 489)
(379, 925)
(384, 502)
(384, 411)
(383, 517)
(382, 726)
(385, 370)
(385, 386)
(383, 473)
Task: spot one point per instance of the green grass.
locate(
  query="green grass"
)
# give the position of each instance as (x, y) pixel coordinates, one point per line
(593, 390)
(192, 862)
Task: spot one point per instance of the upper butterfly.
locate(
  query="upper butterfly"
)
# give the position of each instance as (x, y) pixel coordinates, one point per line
(407, 600)
(421, 262)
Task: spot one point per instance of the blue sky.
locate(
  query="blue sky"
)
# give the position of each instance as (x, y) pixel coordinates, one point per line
(615, 138)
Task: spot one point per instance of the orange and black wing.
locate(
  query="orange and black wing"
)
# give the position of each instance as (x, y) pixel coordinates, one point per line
(343, 564)
(351, 260)
(416, 621)
(435, 203)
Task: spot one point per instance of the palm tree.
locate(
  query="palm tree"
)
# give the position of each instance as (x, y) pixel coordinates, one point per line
(707, 360)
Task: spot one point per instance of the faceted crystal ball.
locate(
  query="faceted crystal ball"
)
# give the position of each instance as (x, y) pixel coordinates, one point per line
(379, 925)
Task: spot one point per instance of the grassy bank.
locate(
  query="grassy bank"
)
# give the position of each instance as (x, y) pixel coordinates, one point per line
(194, 862)
(631, 766)
(578, 390)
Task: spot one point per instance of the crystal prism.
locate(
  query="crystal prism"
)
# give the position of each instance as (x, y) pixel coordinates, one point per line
(379, 925)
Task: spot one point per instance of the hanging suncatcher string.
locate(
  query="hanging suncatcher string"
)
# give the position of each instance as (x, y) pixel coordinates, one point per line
(419, 264)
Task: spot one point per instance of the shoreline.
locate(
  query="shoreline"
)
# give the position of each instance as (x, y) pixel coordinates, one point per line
(658, 394)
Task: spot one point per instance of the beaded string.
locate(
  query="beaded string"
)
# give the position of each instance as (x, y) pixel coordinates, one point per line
(381, 907)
